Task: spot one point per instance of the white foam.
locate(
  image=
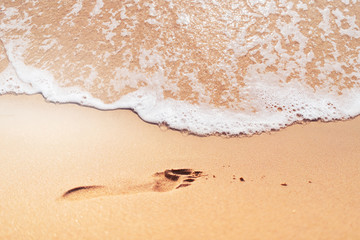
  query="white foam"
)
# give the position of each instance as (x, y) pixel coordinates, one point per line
(301, 6)
(268, 102)
(298, 102)
(325, 23)
(97, 8)
(183, 19)
(10, 83)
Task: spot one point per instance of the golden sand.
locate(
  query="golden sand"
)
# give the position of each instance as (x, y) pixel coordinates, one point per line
(298, 183)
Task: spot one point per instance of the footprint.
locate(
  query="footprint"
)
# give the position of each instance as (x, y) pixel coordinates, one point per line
(165, 181)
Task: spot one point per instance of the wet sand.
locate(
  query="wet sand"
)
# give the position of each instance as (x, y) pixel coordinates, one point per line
(298, 183)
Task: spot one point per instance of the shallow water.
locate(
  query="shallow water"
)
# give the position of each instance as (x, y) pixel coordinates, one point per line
(205, 66)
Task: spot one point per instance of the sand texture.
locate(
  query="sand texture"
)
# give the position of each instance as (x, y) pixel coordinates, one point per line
(71, 172)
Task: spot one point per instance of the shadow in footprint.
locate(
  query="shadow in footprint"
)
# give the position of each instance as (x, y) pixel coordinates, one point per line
(160, 182)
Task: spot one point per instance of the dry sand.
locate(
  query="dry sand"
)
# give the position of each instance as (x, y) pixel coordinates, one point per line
(47, 149)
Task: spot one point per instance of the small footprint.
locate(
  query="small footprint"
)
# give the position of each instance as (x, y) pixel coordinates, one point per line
(165, 181)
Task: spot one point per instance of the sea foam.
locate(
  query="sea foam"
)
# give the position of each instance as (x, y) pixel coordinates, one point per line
(234, 67)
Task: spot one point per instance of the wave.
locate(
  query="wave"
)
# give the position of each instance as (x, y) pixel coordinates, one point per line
(234, 67)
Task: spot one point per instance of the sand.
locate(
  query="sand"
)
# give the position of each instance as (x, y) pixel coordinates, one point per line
(298, 183)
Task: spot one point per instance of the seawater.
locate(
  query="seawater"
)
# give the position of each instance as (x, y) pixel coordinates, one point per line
(234, 67)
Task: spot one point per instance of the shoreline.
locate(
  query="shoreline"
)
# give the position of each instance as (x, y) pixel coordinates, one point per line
(300, 182)
(165, 126)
